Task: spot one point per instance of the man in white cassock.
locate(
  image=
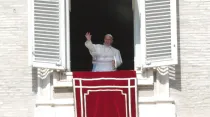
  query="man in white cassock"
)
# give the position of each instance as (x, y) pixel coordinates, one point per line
(105, 57)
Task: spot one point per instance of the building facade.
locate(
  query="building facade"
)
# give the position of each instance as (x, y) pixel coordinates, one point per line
(175, 91)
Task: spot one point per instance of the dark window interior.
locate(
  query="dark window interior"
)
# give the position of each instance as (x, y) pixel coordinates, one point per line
(101, 17)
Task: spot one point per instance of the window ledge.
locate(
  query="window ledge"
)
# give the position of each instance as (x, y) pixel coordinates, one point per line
(146, 79)
(70, 101)
(55, 102)
(146, 100)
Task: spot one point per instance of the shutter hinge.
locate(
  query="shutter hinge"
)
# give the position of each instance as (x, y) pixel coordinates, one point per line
(33, 53)
(58, 63)
(148, 63)
(141, 69)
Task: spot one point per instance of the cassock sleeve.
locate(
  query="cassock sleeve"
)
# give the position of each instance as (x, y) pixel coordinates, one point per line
(118, 59)
(91, 47)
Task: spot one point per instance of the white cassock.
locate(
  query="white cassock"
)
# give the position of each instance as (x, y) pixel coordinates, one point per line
(103, 56)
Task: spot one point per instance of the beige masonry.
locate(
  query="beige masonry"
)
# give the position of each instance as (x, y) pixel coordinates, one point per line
(187, 84)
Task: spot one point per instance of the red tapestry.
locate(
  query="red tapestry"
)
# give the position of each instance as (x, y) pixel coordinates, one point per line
(105, 94)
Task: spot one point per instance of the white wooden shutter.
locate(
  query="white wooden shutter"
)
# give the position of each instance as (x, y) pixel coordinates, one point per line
(48, 34)
(158, 32)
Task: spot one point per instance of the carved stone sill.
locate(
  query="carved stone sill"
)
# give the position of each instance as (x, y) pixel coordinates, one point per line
(65, 79)
(70, 101)
(62, 102)
(146, 100)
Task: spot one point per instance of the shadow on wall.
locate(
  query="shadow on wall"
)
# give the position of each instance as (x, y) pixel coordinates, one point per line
(34, 80)
(45, 76)
(175, 71)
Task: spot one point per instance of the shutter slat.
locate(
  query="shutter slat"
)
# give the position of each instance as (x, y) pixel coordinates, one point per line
(158, 20)
(47, 1)
(157, 40)
(44, 25)
(160, 43)
(46, 21)
(157, 2)
(45, 55)
(47, 5)
(43, 17)
(45, 11)
(155, 12)
(158, 47)
(158, 37)
(158, 17)
(46, 15)
(46, 8)
(46, 46)
(155, 27)
(159, 50)
(158, 23)
(44, 49)
(158, 10)
(159, 54)
(158, 32)
(46, 41)
(43, 52)
(44, 29)
(45, 34)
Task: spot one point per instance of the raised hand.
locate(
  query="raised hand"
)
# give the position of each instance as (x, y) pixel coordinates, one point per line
(88, 36)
